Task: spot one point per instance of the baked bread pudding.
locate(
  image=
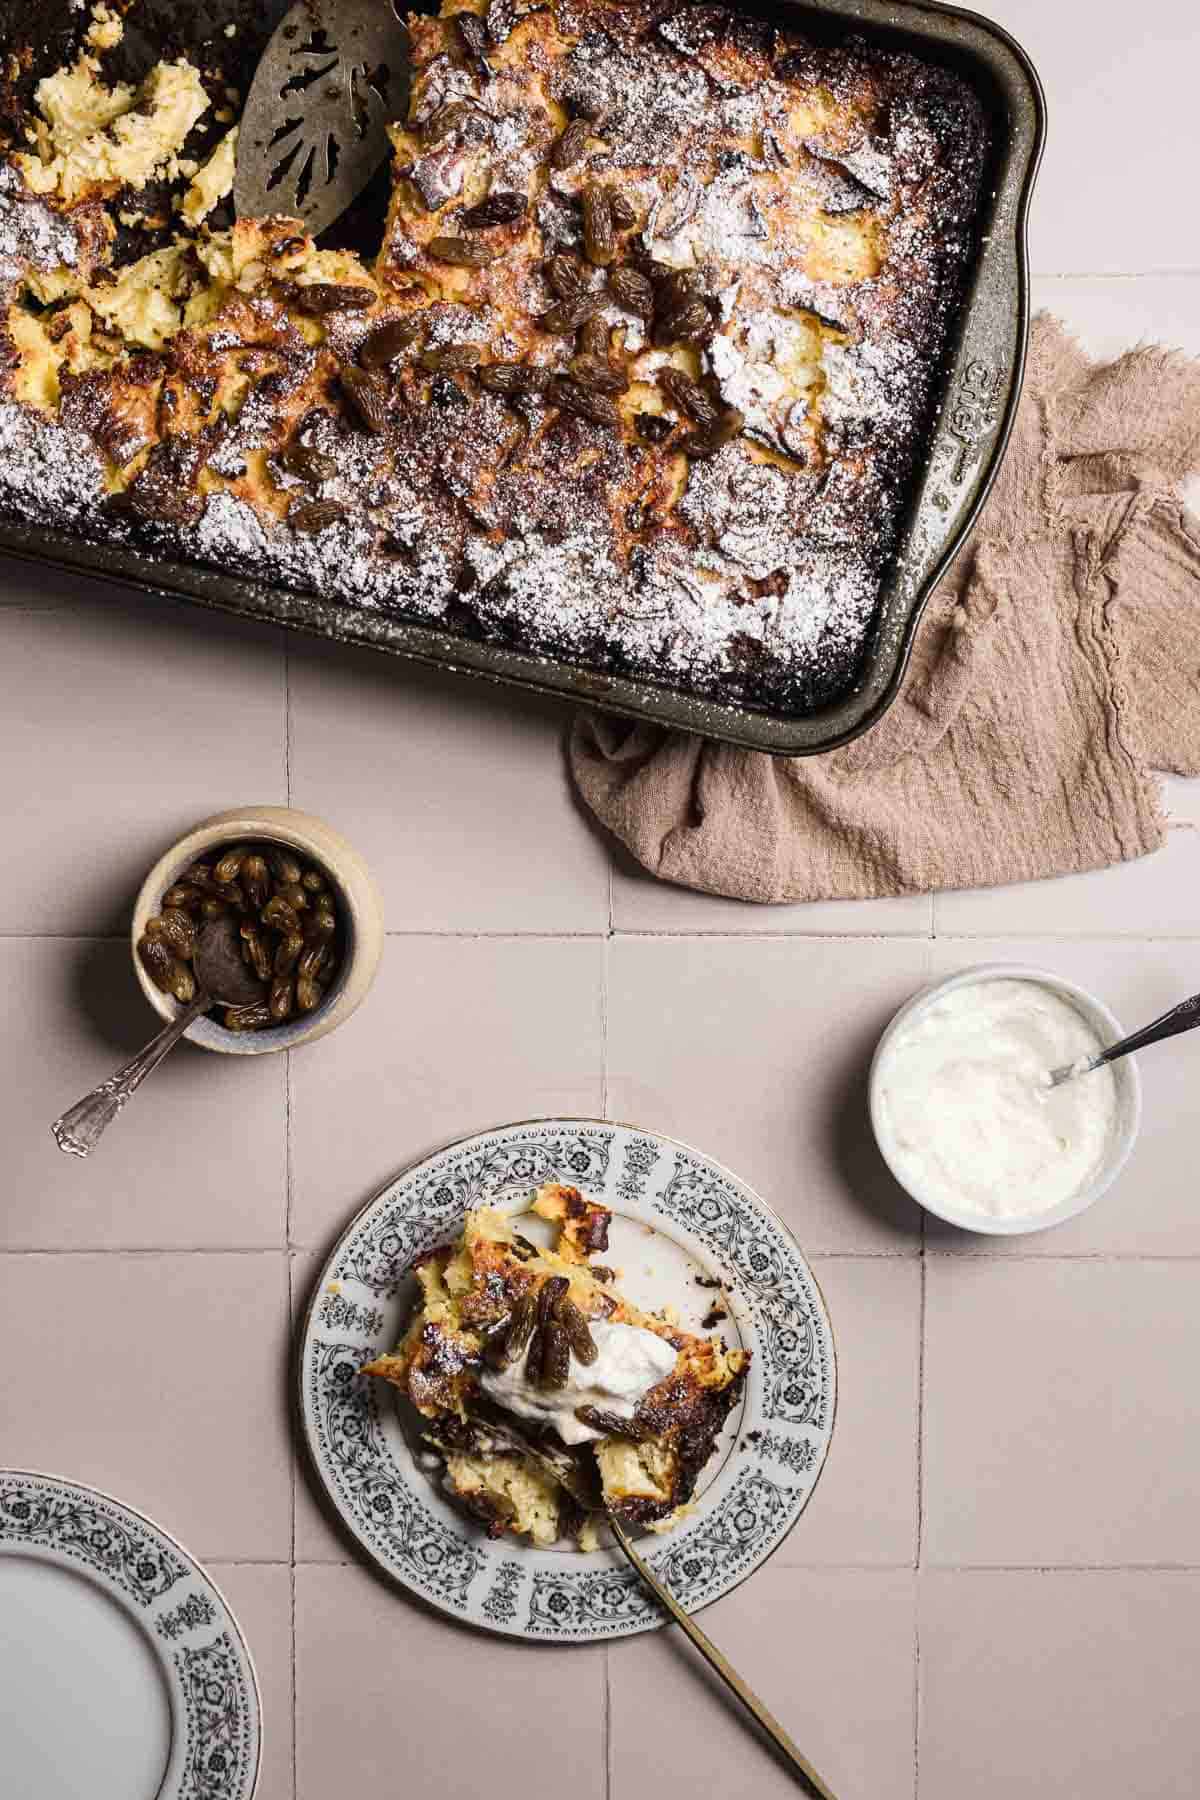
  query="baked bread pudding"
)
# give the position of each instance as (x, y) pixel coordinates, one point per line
(544, 1337)
(637, 378)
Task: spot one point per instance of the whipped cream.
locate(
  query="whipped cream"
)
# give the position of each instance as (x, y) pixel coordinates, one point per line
(630, 1361)
(966, 1114)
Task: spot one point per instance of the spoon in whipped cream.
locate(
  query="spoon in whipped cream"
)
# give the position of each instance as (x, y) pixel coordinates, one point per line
(1184, 1017)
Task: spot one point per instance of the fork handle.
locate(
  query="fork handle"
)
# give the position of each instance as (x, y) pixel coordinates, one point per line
(800, 1764)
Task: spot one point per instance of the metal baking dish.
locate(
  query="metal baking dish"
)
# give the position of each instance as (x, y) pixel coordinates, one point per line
(981, 386)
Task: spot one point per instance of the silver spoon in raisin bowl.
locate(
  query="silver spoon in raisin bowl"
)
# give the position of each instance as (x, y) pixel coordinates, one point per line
(222, 978)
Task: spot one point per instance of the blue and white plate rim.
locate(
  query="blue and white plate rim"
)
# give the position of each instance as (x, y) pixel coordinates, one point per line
(421, 1540)
(206, 1664)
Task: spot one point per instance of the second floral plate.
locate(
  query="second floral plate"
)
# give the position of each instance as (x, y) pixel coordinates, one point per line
(685, 1233)
(123, 1673)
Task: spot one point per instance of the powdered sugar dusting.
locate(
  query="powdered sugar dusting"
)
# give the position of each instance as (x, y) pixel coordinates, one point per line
(522, 523)
(47, 473)
(32, 234)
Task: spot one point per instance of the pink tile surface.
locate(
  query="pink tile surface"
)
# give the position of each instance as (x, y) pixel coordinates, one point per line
(1151, 1208)
(216, 1123)
(159, 1378)
(392, 1698)
(456, 793)
(1060, 1405)
(1123, 134)
(123, 725)
(864, 1509)
(260, 1595)
(1057, 1369)
(458, 1035)
(642, 904)
(831, 1654)
(1110, 315)
(1152, 897)
(1080, 1684)
(756, 1052)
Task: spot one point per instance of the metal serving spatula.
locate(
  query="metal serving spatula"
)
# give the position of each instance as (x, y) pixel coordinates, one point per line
(314, 126)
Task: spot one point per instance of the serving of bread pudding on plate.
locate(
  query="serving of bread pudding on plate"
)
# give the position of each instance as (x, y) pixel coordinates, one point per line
(544, 1337)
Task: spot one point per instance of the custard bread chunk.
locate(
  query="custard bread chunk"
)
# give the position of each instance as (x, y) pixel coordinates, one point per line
(547, 1338)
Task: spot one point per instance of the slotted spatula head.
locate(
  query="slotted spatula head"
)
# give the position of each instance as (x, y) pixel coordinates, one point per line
(314, 127)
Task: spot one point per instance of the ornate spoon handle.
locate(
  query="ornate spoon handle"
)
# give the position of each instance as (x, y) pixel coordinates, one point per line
(800, 1764)
(1184, 1017)
(80, 1128)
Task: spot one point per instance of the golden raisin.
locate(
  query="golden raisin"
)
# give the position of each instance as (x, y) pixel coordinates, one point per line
(598, 239)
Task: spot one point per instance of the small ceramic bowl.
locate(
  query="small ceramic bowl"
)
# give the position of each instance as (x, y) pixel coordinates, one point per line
(358, 902)
(1125, 1074)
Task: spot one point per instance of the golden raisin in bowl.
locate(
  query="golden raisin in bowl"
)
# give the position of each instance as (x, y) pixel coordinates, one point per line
(289, 920)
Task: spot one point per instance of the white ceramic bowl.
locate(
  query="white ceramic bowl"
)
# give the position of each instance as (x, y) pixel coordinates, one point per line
(1125, 1074)
(359, 905)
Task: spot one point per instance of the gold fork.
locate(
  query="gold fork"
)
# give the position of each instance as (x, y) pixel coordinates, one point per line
(582, 1482)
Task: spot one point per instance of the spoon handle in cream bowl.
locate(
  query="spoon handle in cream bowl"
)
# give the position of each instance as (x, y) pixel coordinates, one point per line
(799, 1764)
(1184, 1017)
(81, 1127)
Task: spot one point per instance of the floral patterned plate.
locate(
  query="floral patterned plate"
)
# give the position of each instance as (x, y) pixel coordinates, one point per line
(686, 1232)
(124, 1674)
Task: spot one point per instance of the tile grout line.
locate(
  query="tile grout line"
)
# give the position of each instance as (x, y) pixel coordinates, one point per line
(287, 724)
(604, 998)
(288, 1172)
(291, 1296)
(920, 1445)
(246, 1562)
(295, 1710)
(920, 1514)
(288, 1191)
(149, 1250)
(1176, 274)
(917, 1692)
(814, 1255)
(288, 1188)
(606, 1723)
(814, 1568)
(999, 1261)
(61, 937)
(516, 937)
(1122, 939)
(1123, 1568)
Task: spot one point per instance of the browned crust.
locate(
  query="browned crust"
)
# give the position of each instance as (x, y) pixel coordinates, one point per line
(454, 466)
(688, 1418)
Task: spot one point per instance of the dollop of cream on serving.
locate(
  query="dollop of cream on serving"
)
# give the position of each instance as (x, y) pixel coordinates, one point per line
(629, 1362)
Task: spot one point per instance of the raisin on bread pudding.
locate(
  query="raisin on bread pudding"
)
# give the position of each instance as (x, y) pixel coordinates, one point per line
(546, 1336)
(637, 380)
